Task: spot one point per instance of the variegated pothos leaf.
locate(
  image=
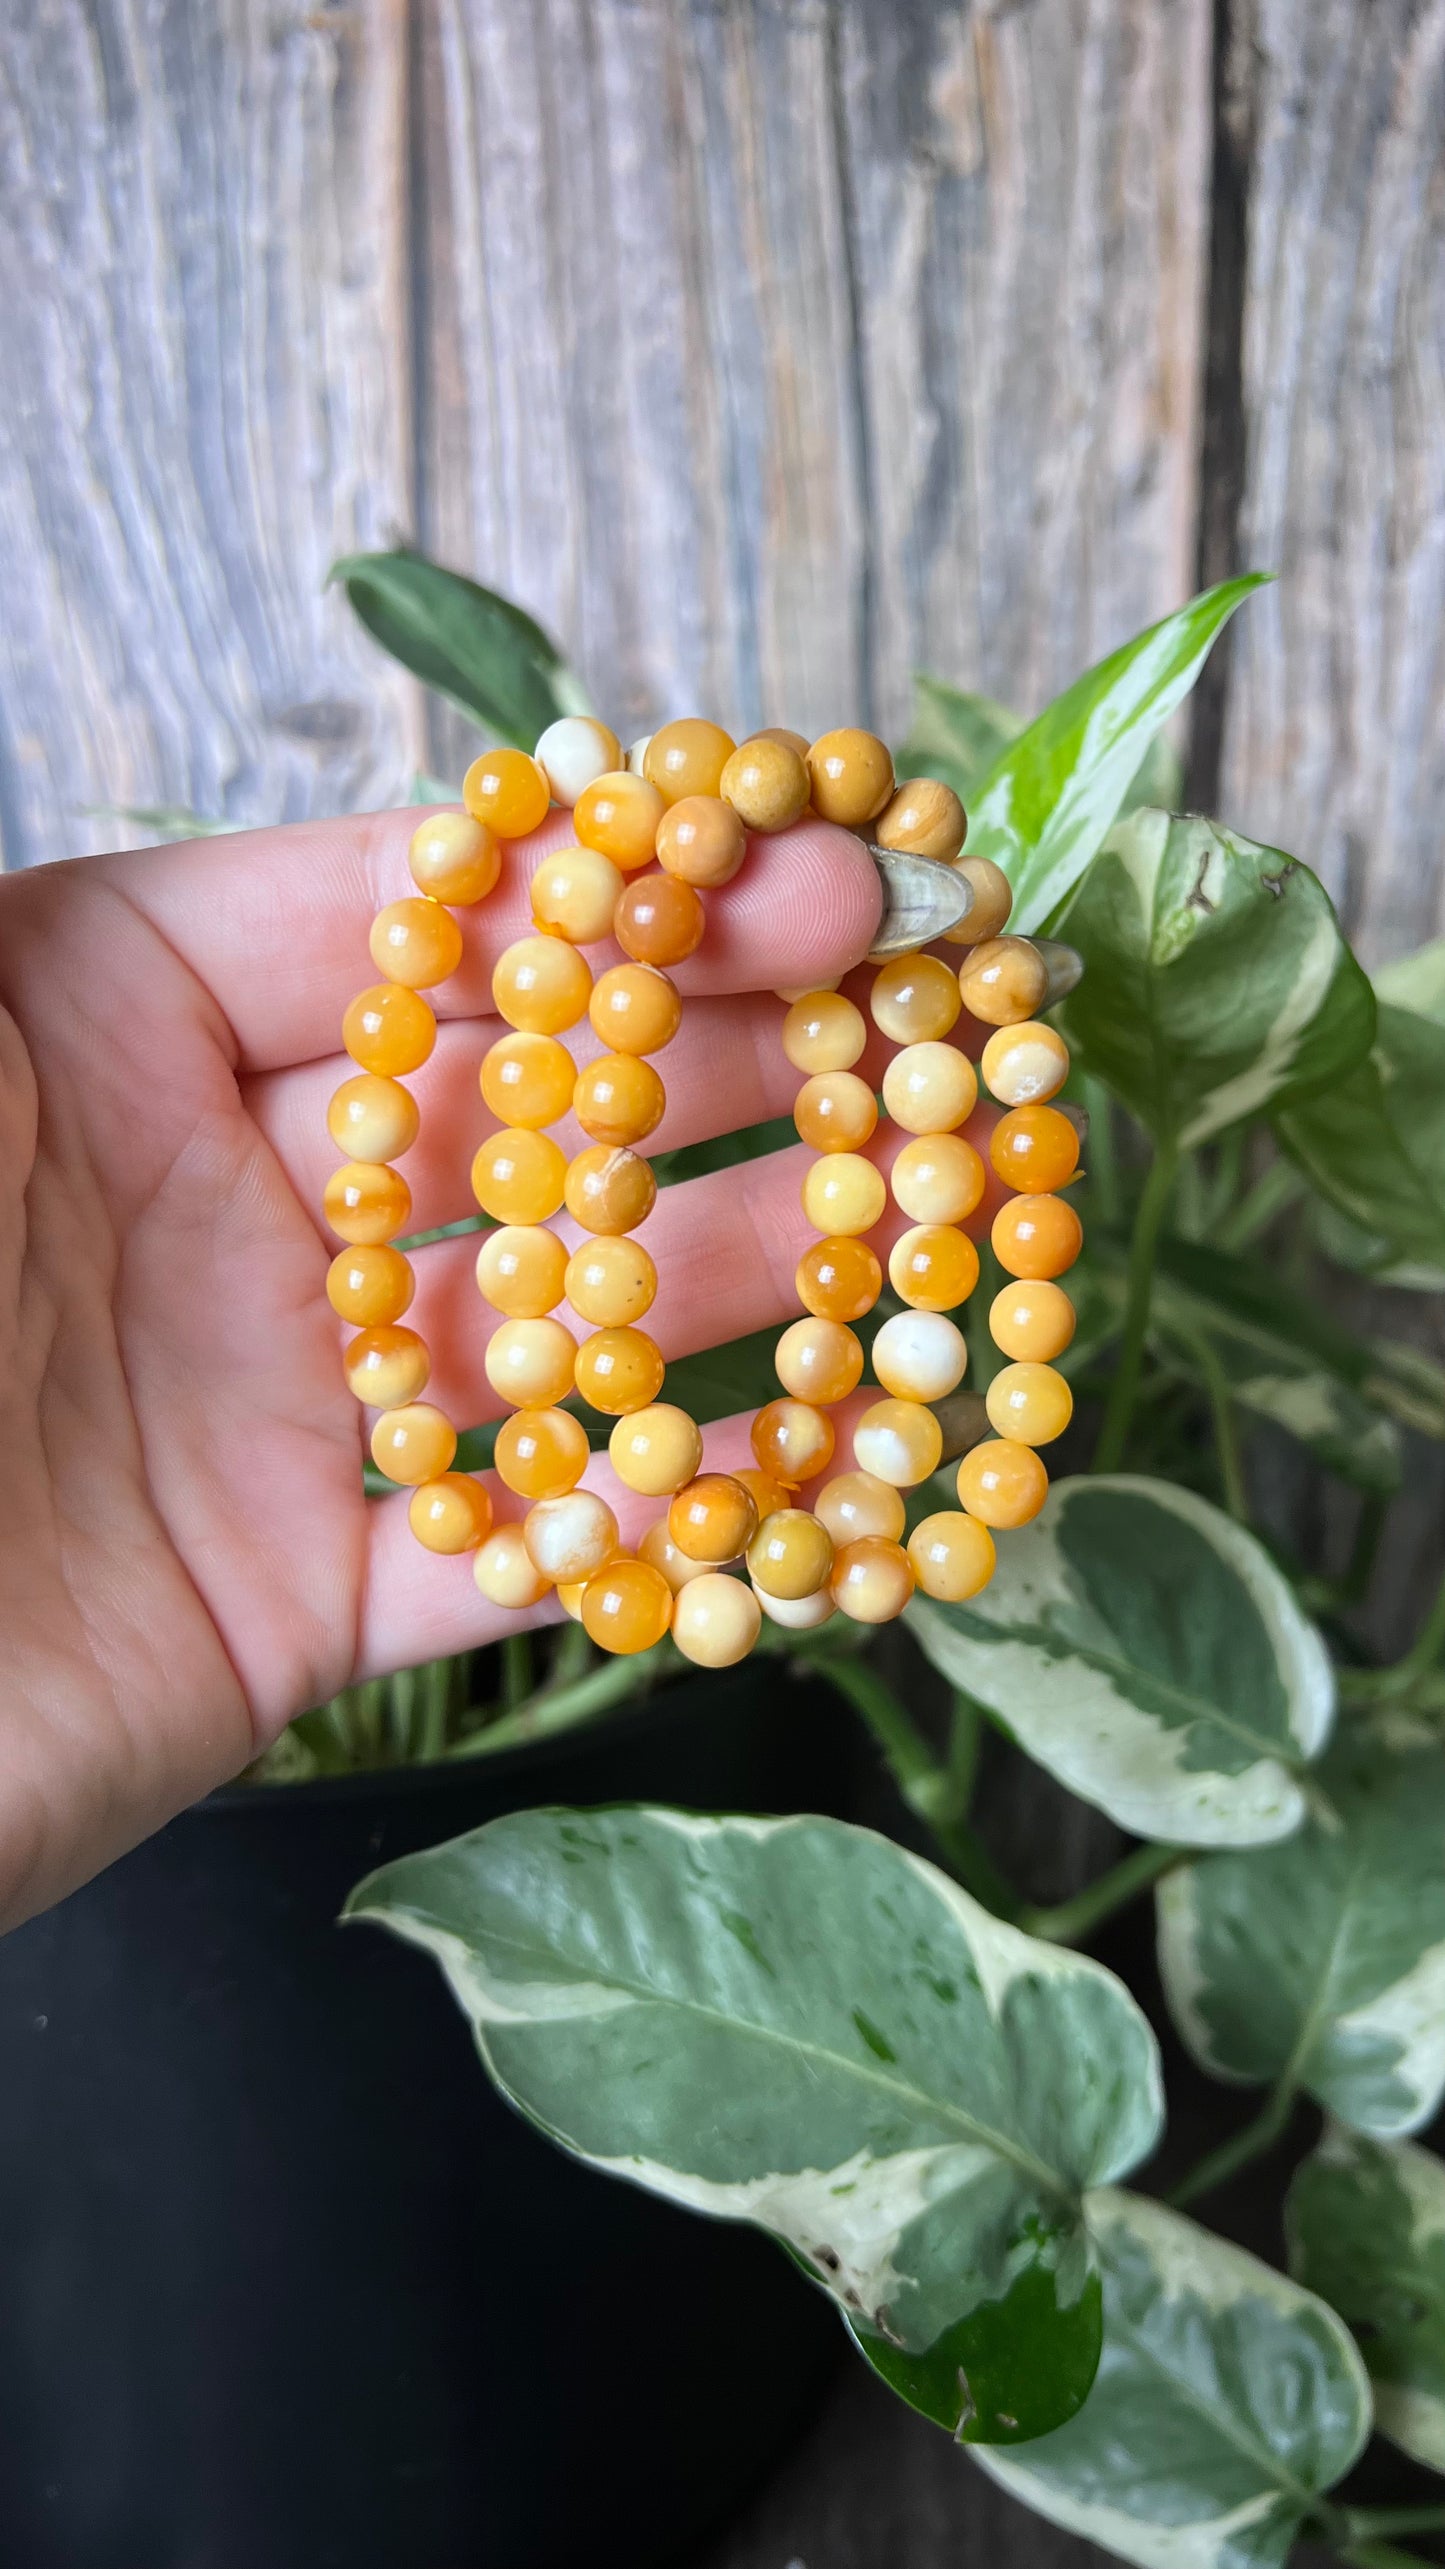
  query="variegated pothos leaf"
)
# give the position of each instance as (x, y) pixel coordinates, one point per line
(1366, 2227)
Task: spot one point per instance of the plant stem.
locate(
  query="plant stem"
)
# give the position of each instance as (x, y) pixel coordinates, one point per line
(925, 1785)
(1251, 2142)
(563, 1707)
(1226, 1433)
(1373, 1685)
(1362, 2524)
(965, 1738)
(1102, 1149)
(1124, 1389)
(516, 1669)
(436, 1708)
(1380, 2555)
(1280, 1186)
(1071, 1920)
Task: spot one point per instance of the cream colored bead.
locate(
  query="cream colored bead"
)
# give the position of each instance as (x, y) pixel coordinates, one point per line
(655, 1450)
(1025, 1065)
(790, 1555)
(930, 1088)
(920, 1355)
(372, 1118)
(571, 1537)
(914, 999)
(638, 752)
(819, 1360)
(855, 1504)
(505, 1572)
(522, 1270)
(843, 1195)
(824, 1031)
(387, 1367)
(953, 1556)
(797, 1614)
(898, 1441)
(716, 1620)
(574, 892)
(872, 1580)
(937, 1178)
(657, 1546)
(574, 752)
(531, 1362)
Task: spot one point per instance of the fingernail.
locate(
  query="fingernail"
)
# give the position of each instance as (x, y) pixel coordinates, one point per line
(922, 898)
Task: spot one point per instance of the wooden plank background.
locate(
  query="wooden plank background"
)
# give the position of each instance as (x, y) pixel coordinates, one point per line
(768, 350)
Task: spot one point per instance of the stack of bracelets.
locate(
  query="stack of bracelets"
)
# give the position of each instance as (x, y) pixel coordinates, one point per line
(656, 831)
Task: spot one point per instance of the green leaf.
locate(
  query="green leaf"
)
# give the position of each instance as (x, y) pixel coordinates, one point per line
(955, 736)
(724, 1150)
(1144, 1648)
(1321, 1963)
(1227, 2400)
(474, 647)
(1374, 1144)
(719, 1381)
(1416, 982)
(1044, 805)
(798, 2024)
(1366, 2227)
(1216, 978)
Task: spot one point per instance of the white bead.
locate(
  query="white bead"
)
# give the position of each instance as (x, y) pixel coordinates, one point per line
(638, 752)
(920, 1355)
(573, 753)
(716, 1620)
(569, 1538)
(930, 1088)
(797, 1614)
(805, 990)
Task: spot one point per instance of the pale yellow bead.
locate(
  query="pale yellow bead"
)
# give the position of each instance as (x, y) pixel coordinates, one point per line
(571, 1537)
(898, 1441)
(930, 1088)
(819, 1360)
(953, 1556)
(920, 1355)
(573, 752)
(843, 1195)
(914, 999)
(937, 1178)
(611, 1281)
(791, 1554)
(505, 1572)
(387, 1367)
(530, 1362)
(872, 1580)
(657, 1546)
(527, 1080)
(797, 1614)
(824, 1031)
(454, 859)
(1025, 1065)
(1030, 1403)
(522, 1270)
(541, 985)
(855, 1504)
(637, 754)
(655, 1450)
(373, 1119)
(574, 893)
(715, 1620)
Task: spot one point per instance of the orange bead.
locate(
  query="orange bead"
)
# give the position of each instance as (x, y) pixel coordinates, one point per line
(619, 1099)
(364, 1204)
(413, 1444)
(609, 1190)
(451, 1514)
(1003, 981)
(851, 776)
(659, 919)
(992, 901)
(914, 999)
(933, 1268)
(522, 1270)
(611, 1282)
(1024, 1065)
(387, 1367)
(657, 1546)
(619, 1370)
(530, 1362)
(1033, 1323)
(655, 1450)
(1036, 1235)
(574, 893)
(701, 840)
(712, 1518)
(924, 818)
(792, 1441)
(843, 1195)
(541, 1453)
(372, 1118)
(766, 1493)
(938, 1178)
(898, 1441)
(626, 1607)
(855, 1505)
(952, 1555)
(824, 1031)
(766, 782)
(872, 1580)
(454, 859)
(1003, 1484)
(504, 1571)
(791, 1554)
(527, 1080)
(1035, 1148)
(415, 942)
(819, 1360)
(619, 817)
(389, 1029)
(369, 1286)
(541, 985)
(838, 1279)
(1030, 1403)
(519, 1177)
(687, 757)
(635, 1009)
(508, 790)
(835, 1111)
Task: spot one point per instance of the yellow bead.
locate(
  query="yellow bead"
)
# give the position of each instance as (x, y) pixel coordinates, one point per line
(573, 752)
(655, 1450)
(504, 1571)
(635, 1009)
(541, 985)
(824, 1031)
(541, 1453)
(619, 817)
(766, 1493)
(914, 999)
(372, 1118)
(924, 818)
(519, 1176)
(851, 776)
(387, 1367)
(611, 1282)
(619, 1370)
(1033, 1323)
(835, 1111)
(1003, 981)
(797, 1614)
(1025, 1065)
(920, 1355)
(856, 1504)
(792, 1441)
(872, 1580)
(530, 1362)
(365, 1204)
(992, 901)
(797, 741)
(938, 1178)
(843, 1194)
(930, 1088)
(452, 1514)
(766, 782)
(1002, 1483)
(368, 1287)
(508, 790)
(389, 1029)
(933, 1268)
(619, 1099)
(657, 1546)
(527, 1080)
(898, 1441)
(1034, 1147)
(415, 942)
(838, 1279)
(715, 1620)
(701, 840)
(1030, 1403)
(414, 1443)
(627, 1607)
(952, 1555)
(790, 1555)
(609, 1190)
(819, 1360)
(712, 1518)
(454, 859)
(687, 758)
(522, 1270)
(1036, 1236)
(570, 1538)
(574, 893)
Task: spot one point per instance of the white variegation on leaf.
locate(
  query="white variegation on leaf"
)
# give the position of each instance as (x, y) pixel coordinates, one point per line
(1321, 1963)
(1143, 1647)
(798, 2024)
(1227, 2399)
(1366, 2227)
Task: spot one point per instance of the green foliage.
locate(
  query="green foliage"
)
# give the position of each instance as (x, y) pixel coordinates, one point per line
(1366, 2224)
(474, 647)
(1374, 1147)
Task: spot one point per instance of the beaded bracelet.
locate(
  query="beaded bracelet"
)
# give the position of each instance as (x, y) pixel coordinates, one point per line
(654, 832)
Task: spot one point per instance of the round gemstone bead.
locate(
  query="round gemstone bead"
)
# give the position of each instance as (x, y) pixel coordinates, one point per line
(454, 859)
(1034, 1147)
(657, 1546)
(933, 1268)
(372, 1118)
(824, 1031)
(797, 1614)
(518, 1177)
(508, 790)
(609, 1190)
(872, 1580)
(655, 1450)
(570, 1538)
(574, 893)
(369, 1286)
(914, 999)
(920, 1355)
(529, 1362)
(1025, 1065)
(619, 817)
(611, 1282)
(573, 752)
(712, 1518)
(541, 1453)
(858, 1504)
(659, 919)
(365, 1204)
(638, 752)
(838, 1279)
(527, 1080)
(952, 1555)
(766, 782)
(387, 1367)
(635, 1008)
(843, 1194)
(792, 1441)
(898, 1441)
(715, 1620)
(687, 758)
(619, 1370)
(1002, 1483)
(835, 1111)
(619, 1099)
(790, 1555)
(819, 1360)
(626, 1607)
(992, 901)
(1033, 1323)
(450, 1514)
(937, 1178)
(924, 818)
(850, 774)
(766, 1493)
(522, 1270)
(701, 840)
(1031, 1403)
(415, 942)
(389, 1029)
(1036, 1236)
(414, 1443)
(505, 1573)
(541, 985)
(1003, 981)
(930, 1088)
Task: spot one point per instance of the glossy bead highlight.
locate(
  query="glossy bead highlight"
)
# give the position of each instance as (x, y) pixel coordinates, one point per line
(1031, 1403)
(819, 1360)
(635, 1008)
(529, 1363)
(1032, 1322)
(626, 1607)
(715, 1620)
(574, 893)
(824, 1031)
(1035, 1148)
(416, 942)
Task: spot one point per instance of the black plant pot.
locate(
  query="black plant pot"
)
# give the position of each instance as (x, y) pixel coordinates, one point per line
(284, 2284)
